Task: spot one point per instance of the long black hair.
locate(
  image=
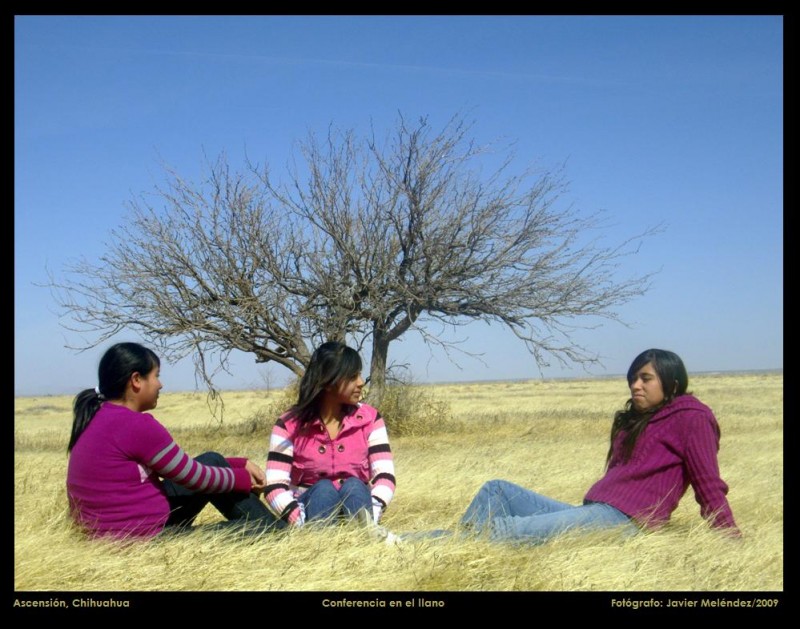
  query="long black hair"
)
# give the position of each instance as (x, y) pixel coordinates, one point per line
(674, 382)
(331, 363)
(116, 367)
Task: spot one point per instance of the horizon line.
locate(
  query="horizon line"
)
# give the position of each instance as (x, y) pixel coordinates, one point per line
(774, 370)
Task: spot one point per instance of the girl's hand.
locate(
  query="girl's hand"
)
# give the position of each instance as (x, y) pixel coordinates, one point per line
(258, 480)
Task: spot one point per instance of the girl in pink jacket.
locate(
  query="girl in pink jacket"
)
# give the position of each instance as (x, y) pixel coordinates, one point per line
(329, 454)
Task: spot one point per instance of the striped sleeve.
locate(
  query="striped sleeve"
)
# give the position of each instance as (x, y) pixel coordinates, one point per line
(173, 463)
(278, 494)
(381, 463)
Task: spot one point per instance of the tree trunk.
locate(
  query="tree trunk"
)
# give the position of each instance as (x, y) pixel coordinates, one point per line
(380, 351)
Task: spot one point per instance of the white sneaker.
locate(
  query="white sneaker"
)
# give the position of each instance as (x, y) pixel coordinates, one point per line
(382, 533)
(377, 532)
(392, 539)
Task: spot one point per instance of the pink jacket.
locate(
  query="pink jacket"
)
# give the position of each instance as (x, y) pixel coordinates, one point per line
(301, 455)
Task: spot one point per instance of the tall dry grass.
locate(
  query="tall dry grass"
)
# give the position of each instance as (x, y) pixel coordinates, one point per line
(550, 436)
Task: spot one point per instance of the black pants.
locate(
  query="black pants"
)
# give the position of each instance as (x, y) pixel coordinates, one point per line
(241, 510)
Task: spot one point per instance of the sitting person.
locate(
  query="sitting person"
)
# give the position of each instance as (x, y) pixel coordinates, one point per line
(662, 441)
(329, 455)
(127, 477)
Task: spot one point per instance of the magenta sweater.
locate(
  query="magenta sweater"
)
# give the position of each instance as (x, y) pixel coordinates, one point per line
(678, 448)
(115, 470)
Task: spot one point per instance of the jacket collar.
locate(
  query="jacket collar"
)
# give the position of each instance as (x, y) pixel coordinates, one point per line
(356, 416)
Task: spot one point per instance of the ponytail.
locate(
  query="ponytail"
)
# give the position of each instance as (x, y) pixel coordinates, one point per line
(84, 408)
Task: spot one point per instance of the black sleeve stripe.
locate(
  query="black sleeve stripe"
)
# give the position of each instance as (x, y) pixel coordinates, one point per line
(383, 504)
(280, 457)
(382, 447)
(385, 476)
(280, 423)
(270, 488)
(289, 508)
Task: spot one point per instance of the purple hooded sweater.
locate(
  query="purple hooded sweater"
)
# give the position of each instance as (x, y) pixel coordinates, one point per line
(678, 448)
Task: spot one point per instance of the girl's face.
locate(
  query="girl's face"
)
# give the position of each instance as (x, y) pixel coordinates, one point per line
(646, 389)
(349, 391)
(147, 388)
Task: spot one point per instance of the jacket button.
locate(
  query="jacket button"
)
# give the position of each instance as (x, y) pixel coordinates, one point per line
(322, 449)
(340, 448)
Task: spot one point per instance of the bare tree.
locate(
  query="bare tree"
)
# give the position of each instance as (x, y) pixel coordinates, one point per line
(363, 241)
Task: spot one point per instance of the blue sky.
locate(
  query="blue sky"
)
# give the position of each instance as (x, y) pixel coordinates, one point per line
(659, 119)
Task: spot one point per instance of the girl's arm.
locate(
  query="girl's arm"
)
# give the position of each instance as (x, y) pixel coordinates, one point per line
(702, 445)
(381, 465)
(279, 496)
(173, 463)
(148, 442)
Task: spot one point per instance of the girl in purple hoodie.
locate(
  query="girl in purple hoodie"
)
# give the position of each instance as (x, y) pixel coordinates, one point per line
(662, 442)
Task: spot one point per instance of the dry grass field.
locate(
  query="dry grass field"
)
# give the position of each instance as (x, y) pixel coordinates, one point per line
(550, 436)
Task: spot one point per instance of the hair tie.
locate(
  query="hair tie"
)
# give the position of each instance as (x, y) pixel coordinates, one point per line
(99, 395)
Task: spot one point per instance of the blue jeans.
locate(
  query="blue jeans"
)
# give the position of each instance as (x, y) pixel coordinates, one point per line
(508, 512)
(241, 510)
(322, 501)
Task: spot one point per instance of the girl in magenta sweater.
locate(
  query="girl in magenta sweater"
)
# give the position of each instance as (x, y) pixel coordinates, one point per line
(128, 477)
(663, 441)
